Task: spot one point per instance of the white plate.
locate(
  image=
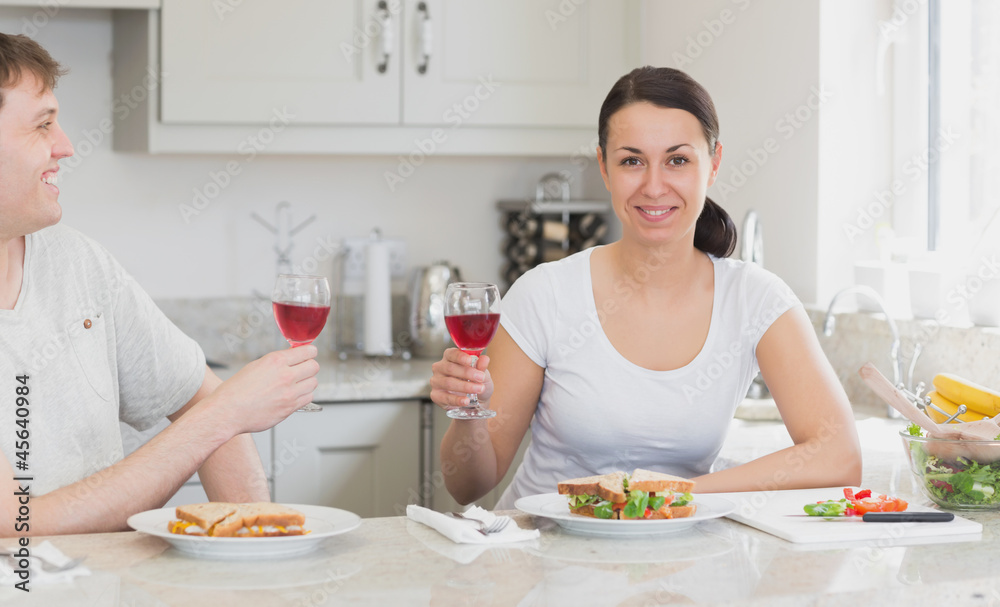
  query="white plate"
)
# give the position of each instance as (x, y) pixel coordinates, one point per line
(553, 506)
(322, 521)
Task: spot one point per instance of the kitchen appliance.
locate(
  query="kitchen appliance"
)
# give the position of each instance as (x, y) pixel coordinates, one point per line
(371, 305)
(427, 328)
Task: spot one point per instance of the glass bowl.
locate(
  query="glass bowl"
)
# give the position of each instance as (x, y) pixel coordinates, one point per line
(956, 474)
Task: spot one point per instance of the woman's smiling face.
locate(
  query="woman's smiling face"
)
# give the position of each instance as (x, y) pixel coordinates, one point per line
(658, 168)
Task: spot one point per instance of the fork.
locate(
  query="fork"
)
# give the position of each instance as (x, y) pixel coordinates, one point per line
(496, 525)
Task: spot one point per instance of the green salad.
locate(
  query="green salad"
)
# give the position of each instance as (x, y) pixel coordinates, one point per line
(960, 482)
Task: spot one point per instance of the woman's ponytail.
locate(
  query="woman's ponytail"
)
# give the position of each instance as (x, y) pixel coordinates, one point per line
(715, 232)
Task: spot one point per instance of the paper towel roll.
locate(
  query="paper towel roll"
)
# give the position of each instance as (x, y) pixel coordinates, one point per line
(378, 300)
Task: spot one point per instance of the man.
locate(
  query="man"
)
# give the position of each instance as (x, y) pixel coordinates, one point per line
(82, 347)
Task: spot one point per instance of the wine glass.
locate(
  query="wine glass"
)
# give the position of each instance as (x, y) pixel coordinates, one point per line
(301, 305)
(472, 314)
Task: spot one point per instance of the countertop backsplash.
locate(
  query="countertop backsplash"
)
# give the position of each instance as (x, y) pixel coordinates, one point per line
(230, 329)
(243, 328)
(971, 352)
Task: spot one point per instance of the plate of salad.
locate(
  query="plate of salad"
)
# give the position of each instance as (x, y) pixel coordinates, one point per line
(955, 474)
(555, 507)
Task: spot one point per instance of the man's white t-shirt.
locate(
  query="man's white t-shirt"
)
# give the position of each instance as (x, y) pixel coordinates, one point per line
(598, 412)
(96, 350)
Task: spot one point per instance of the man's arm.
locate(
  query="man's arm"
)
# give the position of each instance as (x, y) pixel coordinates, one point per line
(263, 393)
(233, 473)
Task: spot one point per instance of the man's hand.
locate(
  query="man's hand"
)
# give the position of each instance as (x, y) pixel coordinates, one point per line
(267, 390)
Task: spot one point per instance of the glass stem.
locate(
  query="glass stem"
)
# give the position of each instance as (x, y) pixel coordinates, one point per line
(474, 398)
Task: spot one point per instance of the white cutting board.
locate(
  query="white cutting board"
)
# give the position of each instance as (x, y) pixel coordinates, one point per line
(768, 510)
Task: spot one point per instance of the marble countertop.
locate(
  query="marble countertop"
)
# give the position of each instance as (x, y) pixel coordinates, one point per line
(363, 379)
(394, 561)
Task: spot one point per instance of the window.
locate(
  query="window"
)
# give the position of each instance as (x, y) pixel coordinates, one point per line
(963, 181)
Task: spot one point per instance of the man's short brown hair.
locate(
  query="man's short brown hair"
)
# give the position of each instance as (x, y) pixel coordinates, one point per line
(19, 54)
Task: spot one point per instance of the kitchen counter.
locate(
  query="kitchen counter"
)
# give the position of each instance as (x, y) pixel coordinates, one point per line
(361, 379)
(393, 561)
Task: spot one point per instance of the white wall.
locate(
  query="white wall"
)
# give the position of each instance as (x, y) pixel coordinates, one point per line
(797, 75)
(759, 61)
(131, 202)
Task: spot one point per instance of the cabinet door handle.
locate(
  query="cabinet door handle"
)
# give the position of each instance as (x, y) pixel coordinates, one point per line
(388, 38)
(426, 38)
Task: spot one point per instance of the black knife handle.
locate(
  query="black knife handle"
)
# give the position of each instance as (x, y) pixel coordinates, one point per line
(908, 517)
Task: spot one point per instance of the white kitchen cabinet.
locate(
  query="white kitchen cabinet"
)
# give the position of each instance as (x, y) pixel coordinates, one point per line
(239, 66)
(361, 457)
(502, 78)
(50, 7)
(514, 63)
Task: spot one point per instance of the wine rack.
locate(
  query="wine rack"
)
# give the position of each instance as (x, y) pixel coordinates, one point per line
(546, 229)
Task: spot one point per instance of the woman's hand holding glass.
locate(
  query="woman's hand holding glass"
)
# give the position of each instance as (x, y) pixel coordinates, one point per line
(472, 314)
(457, 375)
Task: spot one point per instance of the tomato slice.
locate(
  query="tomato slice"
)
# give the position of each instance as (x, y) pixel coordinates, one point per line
(879, 504)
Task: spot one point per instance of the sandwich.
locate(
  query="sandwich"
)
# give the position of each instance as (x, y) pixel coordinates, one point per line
(223, 519)
(642, 495)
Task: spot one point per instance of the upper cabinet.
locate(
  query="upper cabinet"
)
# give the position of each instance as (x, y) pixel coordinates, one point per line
(372, 76)
(304, 55)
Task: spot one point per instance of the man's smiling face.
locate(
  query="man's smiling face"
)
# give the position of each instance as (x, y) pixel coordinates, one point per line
(31, 145)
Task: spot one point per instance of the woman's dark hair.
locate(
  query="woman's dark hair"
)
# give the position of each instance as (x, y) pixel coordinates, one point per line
(715, 232)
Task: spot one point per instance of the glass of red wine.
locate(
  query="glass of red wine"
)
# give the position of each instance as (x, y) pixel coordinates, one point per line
(301, 305)
(472, 314)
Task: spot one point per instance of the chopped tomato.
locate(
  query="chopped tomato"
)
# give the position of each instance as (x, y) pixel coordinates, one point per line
(863, 501)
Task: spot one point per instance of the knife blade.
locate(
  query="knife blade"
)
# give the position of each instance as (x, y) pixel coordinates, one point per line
(887, 517)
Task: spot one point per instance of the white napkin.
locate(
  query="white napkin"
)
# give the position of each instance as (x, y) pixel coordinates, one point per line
(466, 532)
(36, 575)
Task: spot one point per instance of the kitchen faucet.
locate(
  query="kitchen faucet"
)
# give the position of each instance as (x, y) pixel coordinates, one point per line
(752, 250)
(829, 322)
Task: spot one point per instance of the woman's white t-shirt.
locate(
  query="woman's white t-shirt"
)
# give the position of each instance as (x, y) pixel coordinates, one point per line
(598, 412)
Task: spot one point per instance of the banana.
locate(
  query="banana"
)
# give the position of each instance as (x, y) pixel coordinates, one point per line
(975, 397)
(949, 408)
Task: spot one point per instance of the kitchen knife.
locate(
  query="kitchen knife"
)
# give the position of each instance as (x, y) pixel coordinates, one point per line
(889, 517)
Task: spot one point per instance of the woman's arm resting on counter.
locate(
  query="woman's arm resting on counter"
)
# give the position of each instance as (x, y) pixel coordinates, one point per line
(263, 393)
(816, 413)
(475, 454)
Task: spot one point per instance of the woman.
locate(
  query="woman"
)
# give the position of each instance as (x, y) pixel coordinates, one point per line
(637, 353)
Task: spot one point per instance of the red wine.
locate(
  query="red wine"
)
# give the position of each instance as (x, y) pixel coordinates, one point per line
(300, 323)
(472, 332)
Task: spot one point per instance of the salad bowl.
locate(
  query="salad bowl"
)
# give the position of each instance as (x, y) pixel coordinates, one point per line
(956, 474)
